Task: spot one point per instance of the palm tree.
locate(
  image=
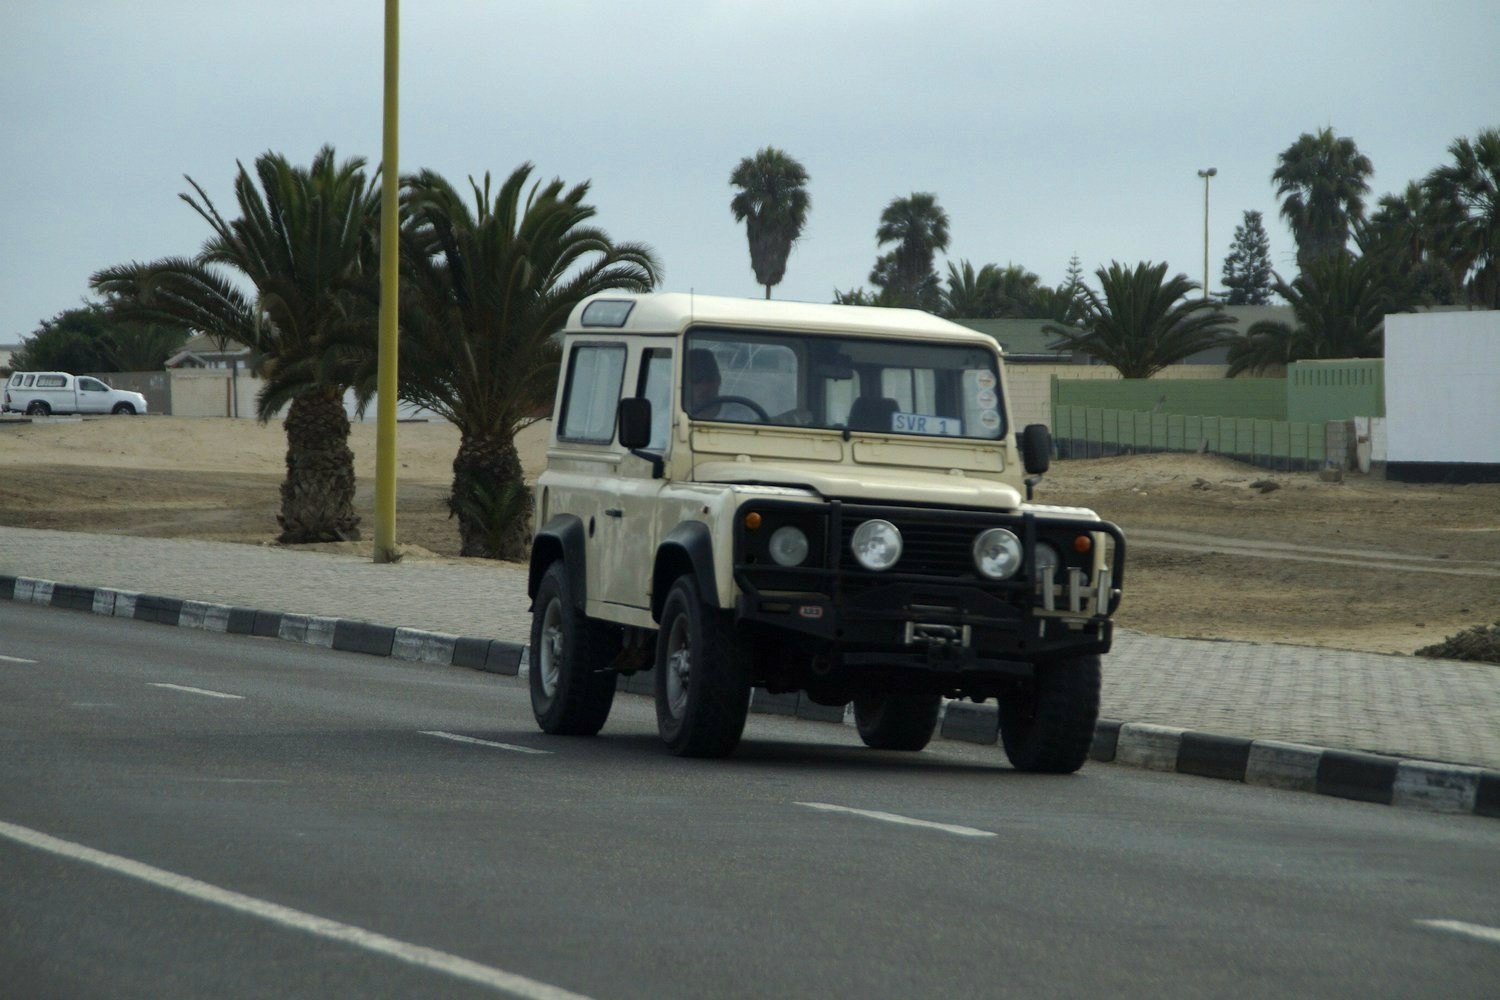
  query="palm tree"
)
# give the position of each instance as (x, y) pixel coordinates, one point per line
(1322, 180)
(1141, 322)
(488, 289)
(305, 242)
(1340, 303)
(971, 294)
(918, 227)
(773, 204)
(1470, 185)
(1416, 235)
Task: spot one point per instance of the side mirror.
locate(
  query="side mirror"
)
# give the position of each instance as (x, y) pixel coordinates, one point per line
(1036, 449)
(635, 422)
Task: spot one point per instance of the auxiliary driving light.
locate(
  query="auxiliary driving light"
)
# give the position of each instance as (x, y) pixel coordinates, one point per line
(997, 553)
(877, 545)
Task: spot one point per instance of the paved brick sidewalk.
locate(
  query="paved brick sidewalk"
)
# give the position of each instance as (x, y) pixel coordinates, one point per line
(1407, 706)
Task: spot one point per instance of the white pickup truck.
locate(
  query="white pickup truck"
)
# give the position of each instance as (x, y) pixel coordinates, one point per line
(40, 394)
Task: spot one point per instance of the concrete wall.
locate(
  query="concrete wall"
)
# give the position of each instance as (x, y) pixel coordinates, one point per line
(1320, 391)
(1252, 398)
(213, 392)
(1442, 394)
(1031, 384)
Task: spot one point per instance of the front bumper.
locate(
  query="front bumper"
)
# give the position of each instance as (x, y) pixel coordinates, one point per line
(946, 622)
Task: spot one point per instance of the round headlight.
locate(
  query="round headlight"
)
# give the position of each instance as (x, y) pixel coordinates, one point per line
(997, 553)
(877, 545)
(1046, 556)
(788, 546)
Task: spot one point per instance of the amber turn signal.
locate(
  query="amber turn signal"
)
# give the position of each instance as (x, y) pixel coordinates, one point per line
(1082, 543)
(752, 520)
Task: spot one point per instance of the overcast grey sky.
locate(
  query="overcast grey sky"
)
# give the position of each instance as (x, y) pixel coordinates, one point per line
(1044, 129)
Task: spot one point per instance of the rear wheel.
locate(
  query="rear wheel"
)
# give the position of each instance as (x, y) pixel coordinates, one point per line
(38, 408)
(1049, 726)
(571, 694)
(898, 720)
(702, 677)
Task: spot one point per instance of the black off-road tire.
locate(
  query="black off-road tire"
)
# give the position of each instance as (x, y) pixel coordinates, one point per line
(897, 720)
(570, 694)
(1049, 726)
(702, 677)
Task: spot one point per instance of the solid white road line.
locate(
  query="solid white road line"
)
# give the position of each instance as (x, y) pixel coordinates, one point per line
(884, 817)
(202, 691)
(428, 958)
(1479, 931)
(456, 738)
(14, 659)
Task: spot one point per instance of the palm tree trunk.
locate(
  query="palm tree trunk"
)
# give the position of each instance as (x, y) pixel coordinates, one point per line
(317, 496)
(490, 498)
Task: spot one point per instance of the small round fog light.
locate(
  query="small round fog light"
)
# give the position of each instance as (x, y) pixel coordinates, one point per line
(788, 546)
(997, 553)
(877, 545)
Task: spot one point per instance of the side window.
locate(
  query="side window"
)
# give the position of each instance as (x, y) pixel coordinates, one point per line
(655, 384)
(50, 382)
(595, 373)
(89, 385)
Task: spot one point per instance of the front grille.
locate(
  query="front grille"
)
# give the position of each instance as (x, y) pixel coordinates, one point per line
(929, 547)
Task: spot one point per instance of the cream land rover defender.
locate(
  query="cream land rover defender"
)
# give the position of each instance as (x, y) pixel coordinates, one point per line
(828, 499)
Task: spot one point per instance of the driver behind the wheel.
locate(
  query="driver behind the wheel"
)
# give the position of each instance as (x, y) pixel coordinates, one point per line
(703, 383)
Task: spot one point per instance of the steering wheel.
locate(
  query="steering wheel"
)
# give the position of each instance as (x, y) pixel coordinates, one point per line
(748, 404)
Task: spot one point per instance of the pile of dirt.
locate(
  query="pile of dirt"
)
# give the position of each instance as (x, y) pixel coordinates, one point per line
(1480, 644)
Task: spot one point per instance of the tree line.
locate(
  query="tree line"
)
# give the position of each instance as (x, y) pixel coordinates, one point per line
(1436, 243)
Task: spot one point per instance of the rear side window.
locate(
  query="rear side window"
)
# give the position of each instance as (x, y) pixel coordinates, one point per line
(595, 374)
(50, 382)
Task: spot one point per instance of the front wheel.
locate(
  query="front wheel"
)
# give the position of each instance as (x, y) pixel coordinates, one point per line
(702, 677)
(897, 720)
(124, 408)
(570, 694)
(1049, 726)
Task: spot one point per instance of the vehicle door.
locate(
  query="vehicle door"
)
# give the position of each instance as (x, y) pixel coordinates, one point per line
(584, 459)
(93, 396)
(631, 519)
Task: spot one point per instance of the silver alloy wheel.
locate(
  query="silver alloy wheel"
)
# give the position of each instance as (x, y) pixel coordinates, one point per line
(679, 666)
(552, 648)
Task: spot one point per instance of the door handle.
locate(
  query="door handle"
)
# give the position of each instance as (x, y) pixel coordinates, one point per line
(613, 512)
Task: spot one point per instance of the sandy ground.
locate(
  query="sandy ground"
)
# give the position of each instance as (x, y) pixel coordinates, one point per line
(1217, 549)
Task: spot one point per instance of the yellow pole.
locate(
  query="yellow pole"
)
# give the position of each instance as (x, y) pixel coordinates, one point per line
(385, 405)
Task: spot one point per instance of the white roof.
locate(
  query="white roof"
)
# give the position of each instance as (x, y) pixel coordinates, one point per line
(674, 312)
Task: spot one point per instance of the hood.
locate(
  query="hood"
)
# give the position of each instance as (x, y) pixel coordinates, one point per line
(869, 483)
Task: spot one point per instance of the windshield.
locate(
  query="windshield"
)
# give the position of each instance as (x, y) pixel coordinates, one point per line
(853, 383)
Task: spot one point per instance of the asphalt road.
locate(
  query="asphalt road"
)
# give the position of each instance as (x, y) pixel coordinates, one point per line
(191, 814)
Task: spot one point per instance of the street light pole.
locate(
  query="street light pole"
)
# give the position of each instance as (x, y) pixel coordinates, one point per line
(1206, 174)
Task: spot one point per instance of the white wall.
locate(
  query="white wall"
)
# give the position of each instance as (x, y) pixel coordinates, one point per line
(1442, 387)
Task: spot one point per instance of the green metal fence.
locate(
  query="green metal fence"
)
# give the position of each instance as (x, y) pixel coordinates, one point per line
(1091, 432)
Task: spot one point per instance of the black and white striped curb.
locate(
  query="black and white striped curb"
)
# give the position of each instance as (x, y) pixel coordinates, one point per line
(492, 655)
(1364, 777)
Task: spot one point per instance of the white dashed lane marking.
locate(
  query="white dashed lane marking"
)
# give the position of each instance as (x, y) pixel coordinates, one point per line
(456, 738)
(14, 659)
(203, 691)
(885, 817)
(1477, 931)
